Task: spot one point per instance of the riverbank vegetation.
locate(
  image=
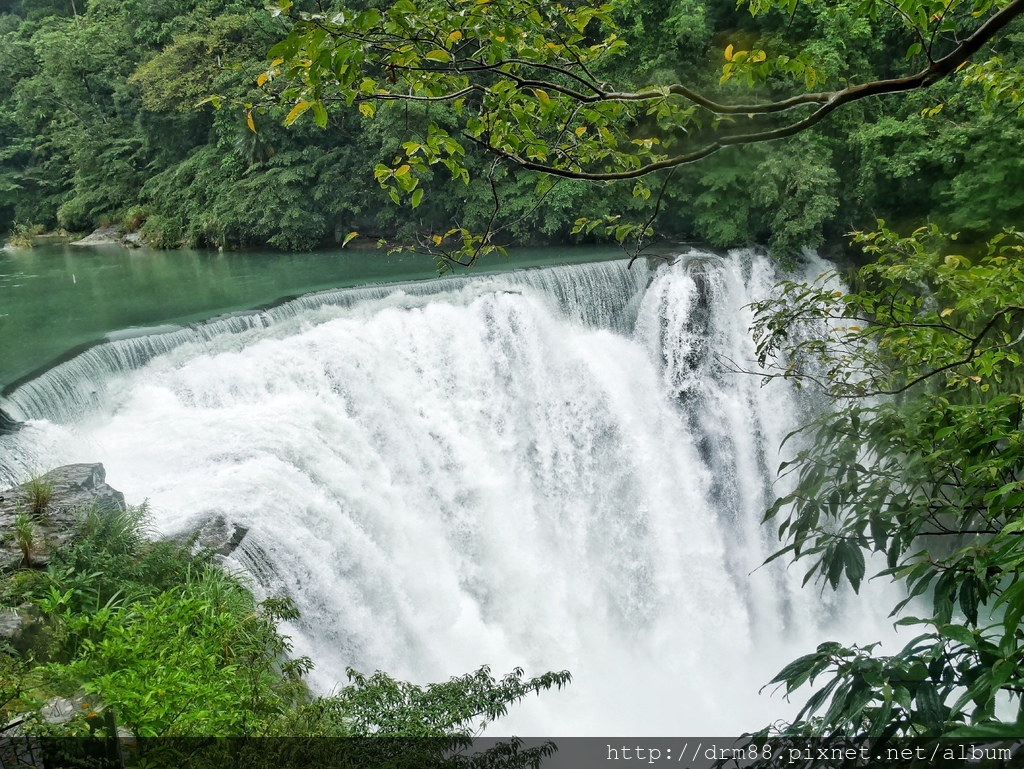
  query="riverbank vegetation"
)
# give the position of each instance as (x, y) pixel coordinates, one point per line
(914, 476)
(102, 121)
(176, 649)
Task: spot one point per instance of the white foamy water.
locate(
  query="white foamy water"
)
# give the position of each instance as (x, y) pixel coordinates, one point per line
(546, 469)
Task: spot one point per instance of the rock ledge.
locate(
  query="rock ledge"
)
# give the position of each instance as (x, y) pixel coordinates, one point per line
(75, 489)
(110, 236)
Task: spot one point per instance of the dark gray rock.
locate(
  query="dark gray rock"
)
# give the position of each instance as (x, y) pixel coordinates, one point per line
(75, 489)
(219, 534)
(23, 628)
(7, 423)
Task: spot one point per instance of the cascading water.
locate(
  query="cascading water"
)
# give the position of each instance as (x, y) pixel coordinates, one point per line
(546, 469)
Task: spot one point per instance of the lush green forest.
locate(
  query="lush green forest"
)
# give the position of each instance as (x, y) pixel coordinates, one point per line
(101, 122)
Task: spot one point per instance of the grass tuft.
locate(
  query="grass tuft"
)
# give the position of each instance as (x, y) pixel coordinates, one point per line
(40, 494)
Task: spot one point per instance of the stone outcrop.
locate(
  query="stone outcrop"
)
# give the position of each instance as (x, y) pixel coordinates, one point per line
(220, 535)
(23, 628)
(72, 490)
(75, 489)
(7, 423)
(104, 236)
(110, 236)
(133, 240)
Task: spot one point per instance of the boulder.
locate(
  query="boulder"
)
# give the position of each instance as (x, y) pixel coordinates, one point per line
(7, 423)
(104, 236)
(73, 490)
(23, 628)
(215, 532)
(110, 236)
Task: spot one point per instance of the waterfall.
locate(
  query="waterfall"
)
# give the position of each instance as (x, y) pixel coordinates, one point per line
(548, 468)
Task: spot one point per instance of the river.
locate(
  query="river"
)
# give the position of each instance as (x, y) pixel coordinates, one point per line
(56, 299)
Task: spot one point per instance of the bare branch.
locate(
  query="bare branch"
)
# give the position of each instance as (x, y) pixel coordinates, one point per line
(649, 222)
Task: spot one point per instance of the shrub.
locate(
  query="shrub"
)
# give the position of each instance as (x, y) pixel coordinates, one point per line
(22, 234)
(161, 232)
(25, 536)
(158, 634)
(134, 220)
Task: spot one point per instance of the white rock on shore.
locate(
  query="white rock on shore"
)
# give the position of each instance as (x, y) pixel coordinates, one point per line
(110, 236)
(104, 236)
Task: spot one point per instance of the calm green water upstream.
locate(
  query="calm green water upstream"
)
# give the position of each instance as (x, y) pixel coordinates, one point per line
(57, 299)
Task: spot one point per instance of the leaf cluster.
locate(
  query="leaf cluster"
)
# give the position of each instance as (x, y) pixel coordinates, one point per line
(917, 475)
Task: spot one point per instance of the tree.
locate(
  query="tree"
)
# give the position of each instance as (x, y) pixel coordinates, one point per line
(533, 85)
(922, 463)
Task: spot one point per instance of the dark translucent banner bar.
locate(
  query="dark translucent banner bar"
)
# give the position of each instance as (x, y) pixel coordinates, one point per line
(495, 753)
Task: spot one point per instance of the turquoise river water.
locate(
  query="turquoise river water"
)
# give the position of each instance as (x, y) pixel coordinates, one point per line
(56, 299)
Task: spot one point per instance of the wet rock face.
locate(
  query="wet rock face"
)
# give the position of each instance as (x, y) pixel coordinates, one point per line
(217, 533)
(23, 628)
(7, 423)
(68, 492)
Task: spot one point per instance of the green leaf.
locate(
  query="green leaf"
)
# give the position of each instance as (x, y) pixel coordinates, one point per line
(319, 114)
(960, 634)
(438, 54)
(988, 731)
(853, 559)
(929, 706)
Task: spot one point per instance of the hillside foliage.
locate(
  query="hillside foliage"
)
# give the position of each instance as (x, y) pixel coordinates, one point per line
(179, 651)
(103, 120)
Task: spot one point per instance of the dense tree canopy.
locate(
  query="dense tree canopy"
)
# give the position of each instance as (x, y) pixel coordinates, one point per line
(549, 88)
(101, 122)
(538, 80)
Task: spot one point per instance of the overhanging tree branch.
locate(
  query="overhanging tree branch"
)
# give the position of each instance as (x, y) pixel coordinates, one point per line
(831, 101)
